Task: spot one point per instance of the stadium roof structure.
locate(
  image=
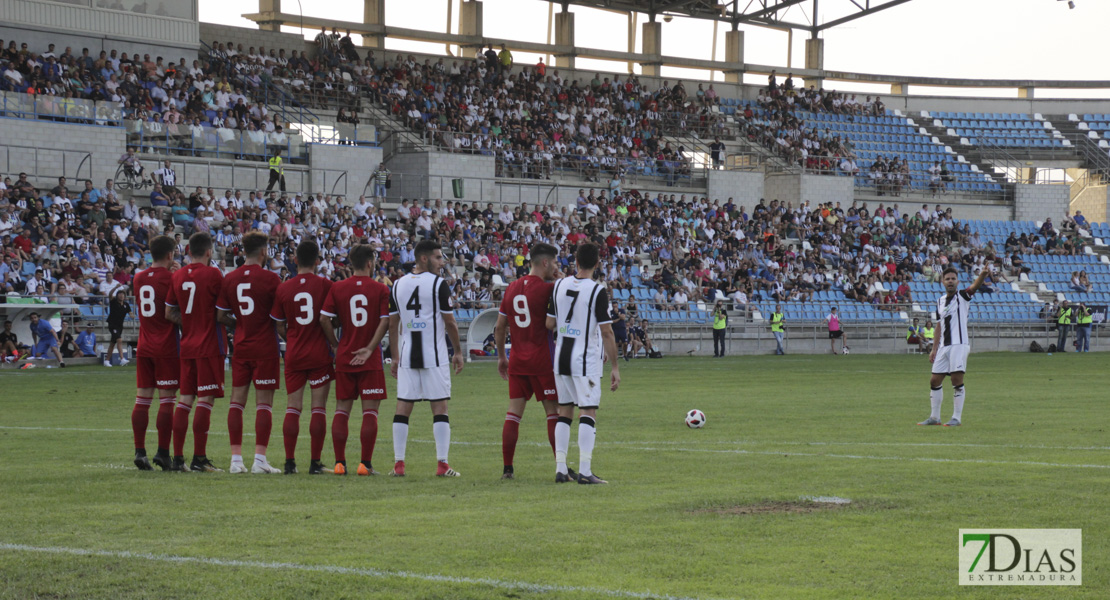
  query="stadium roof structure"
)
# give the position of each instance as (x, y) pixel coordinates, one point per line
(770, 13)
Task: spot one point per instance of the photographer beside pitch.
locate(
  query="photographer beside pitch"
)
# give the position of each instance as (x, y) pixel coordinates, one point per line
(949, 355)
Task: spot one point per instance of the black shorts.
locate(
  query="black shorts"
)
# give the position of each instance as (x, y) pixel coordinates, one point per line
(116, 335)
(833, 335)
(621, 336)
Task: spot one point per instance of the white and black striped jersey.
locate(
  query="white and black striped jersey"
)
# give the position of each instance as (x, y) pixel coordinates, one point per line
(420, 301)
(580, 307)
(952, 316)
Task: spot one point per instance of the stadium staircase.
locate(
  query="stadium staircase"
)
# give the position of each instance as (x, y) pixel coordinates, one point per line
(970, 154)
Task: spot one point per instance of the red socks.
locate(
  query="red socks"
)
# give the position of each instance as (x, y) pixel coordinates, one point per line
(235, 423)
(509, 434)
(202, 419)
(339, 429)
(164, 422)
(369, 434)
(318, 430)
(290, 429)
(180, 428)
(263, 424)
(552, 420)
(140, 416)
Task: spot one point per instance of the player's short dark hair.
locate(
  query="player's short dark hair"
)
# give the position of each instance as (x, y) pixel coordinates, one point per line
(425, 248)
(308, 253)
(542, 250)
(254, 242)
(588, 255)
(199, 244)
(951, 270)
(361, 256)
(161, 247)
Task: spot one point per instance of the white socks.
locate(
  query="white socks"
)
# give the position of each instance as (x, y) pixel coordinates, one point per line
(936, 397)
(441, 431)
(958, 402)
(562, 443)
(586, 434)
(236, 459)
(400, 436)
(259, 459)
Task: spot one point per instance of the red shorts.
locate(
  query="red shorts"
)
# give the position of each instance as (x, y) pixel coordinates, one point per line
(161, 373)
(525, 386)
(367, 385)
(263, 373)
(315, 378)
(203, 376)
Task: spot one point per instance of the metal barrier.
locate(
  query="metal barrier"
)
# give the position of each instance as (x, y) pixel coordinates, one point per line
(60, 109)
(78, 160)
(185, 140)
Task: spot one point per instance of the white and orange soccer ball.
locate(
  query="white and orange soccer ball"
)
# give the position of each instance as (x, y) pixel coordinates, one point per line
(695, 419)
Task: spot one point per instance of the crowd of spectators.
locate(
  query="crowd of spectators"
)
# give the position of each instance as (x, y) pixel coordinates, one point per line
(176, 105)
(84, 247)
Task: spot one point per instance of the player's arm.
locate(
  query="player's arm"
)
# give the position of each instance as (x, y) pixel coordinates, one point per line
(452, 329)
(551, 323)
(282, 330)
(974, 287)
(173, 314)
(937, 336)
(327, 323)
(225, 317)
(363, 354)
(610, 342)
(395, 342)
(500, 333)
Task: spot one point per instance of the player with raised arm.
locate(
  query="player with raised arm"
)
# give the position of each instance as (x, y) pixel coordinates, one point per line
(157, 365)
(191, 304)
(308, 358)
(421, 318)
(952, 346)
(523, 317)
(245, 302)
(579, 310)
(360, 305)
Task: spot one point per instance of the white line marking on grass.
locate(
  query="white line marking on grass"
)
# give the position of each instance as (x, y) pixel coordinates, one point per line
(539, 588)
(870, 457)
(664, 443)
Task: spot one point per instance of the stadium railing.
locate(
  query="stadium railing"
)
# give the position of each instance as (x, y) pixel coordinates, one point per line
(64, 110)
(224, 142)
(31, 160)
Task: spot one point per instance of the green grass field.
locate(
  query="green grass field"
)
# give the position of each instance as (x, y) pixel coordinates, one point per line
(688, 513)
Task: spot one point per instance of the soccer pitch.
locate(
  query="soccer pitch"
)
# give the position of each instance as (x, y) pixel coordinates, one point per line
(709, 513)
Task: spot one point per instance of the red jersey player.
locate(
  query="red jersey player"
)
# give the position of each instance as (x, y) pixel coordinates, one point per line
(191, 303)
(529, 370)
(158, 366)
(308, 358)
(246, 298)
(361, 306)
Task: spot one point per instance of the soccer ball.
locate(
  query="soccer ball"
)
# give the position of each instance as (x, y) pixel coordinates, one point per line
(695, 419)
(845, 351)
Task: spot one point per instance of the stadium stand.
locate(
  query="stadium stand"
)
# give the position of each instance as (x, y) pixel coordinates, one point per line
(668, 258)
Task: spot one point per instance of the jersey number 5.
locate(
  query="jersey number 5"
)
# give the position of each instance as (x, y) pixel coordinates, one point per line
(523, 317)
(246, 303)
